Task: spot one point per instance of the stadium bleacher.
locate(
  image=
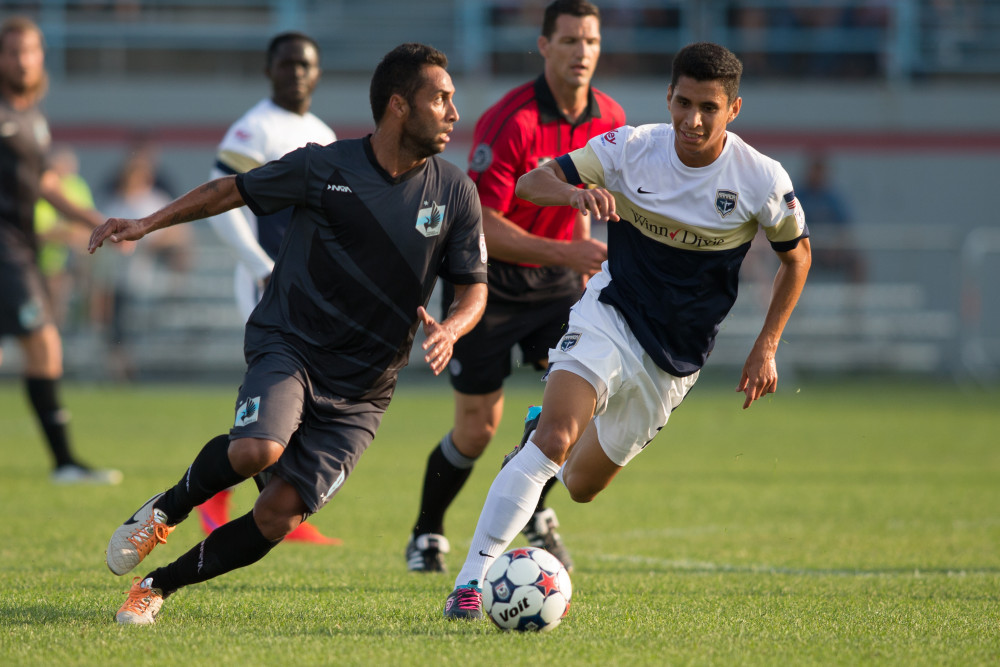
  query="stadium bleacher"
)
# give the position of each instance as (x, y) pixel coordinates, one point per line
(871, 82)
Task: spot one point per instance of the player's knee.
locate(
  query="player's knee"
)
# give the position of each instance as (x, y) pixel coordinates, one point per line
(581, 490)
(279, 510)
(273, 524)
(473, 442)
(249, 456)
(554, 441)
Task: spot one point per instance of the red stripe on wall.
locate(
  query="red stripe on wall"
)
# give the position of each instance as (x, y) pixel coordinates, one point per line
(835, 140)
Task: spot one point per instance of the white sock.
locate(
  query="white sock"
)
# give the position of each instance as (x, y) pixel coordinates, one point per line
(509, 505)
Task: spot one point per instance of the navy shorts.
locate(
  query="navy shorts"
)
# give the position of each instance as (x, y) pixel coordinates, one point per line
(324, 436)
(482, 358)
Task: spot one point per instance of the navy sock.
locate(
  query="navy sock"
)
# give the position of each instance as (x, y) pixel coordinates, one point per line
(210, 473)
(234, 545)
(43, 394)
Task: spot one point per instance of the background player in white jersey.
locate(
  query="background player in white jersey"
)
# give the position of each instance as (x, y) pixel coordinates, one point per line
(685, 201)
(271, 128)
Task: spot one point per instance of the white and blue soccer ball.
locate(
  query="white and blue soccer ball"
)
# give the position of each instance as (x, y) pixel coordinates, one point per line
(527, 589)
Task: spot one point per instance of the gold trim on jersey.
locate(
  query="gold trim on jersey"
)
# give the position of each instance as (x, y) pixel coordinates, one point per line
(238, 162)
(679, 235)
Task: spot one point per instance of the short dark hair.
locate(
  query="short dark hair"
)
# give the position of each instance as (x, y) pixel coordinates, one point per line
(705, 61)
(572, 7)
(401, 72)
(290, 36)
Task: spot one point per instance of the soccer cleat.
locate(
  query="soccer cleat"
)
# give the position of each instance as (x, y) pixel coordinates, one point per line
(425, 553)
(134, 539)
(465, 602)
(142, 605)
(306, 532)
(530, 424)
(74, 473)
(541, 533)
(214, 512)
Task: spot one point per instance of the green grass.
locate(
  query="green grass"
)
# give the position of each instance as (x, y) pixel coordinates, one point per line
(848, 523)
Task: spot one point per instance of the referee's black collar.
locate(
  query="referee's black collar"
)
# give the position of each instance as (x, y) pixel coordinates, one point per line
(548, 110)
(394, 180)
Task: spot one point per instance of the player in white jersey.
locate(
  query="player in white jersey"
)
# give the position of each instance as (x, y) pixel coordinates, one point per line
(684, 202)
(271, 128)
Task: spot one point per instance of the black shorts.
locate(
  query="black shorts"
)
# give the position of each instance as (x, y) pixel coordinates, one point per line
(481, 360)
(24, 302)
(324, 436)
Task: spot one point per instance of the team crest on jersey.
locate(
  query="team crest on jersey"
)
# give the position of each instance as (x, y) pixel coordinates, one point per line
(725, 202)
(247, 412)
(430, 219)
(482, 158)
(569, 341)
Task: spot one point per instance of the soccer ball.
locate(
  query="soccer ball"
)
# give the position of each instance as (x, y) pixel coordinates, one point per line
(527, 589)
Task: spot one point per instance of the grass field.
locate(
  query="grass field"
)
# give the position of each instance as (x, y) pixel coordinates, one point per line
(834, 523)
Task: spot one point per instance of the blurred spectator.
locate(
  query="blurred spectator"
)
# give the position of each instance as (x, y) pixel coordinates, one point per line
(59, 237)
(829, 219)
(121, 280)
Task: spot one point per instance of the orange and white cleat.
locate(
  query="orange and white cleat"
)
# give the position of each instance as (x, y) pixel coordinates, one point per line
(142, 605)
(134, 539)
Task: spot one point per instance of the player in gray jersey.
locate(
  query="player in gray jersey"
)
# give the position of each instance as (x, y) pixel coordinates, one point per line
(25, 175)
(376, 221)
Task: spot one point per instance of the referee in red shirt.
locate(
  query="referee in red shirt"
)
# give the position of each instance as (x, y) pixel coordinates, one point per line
(539, 258)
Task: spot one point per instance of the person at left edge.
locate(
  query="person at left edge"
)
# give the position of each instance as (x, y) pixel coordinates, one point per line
(25, 307)
(273, 127)
(376, 221)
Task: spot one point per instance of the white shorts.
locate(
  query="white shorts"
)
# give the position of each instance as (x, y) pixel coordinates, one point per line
(634, 396)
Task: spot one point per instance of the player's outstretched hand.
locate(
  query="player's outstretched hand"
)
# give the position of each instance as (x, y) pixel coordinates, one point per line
(116, 230)
(439, 343)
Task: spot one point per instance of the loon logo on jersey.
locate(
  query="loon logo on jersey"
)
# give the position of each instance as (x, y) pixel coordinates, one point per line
(725, 202)
(247, 412)
(430, 219)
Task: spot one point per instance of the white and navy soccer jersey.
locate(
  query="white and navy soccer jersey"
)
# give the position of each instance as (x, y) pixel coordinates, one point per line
(265, 133)
(362, 252)
(675, 255)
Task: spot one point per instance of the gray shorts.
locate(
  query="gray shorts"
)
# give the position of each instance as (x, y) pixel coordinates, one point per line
(324, 436)
(24, 303)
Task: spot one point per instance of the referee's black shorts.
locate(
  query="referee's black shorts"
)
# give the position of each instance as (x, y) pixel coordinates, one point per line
(482, 358)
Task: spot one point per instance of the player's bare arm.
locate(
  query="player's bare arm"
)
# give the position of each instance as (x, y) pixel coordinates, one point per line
(464, 314)
(212, 198)
(547, 186)
(510, 243)
(760, 374)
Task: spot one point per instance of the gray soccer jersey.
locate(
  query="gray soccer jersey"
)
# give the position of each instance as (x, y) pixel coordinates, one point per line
(363, 251)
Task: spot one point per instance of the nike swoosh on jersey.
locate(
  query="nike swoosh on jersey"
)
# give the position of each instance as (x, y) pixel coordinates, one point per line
(645, 192)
